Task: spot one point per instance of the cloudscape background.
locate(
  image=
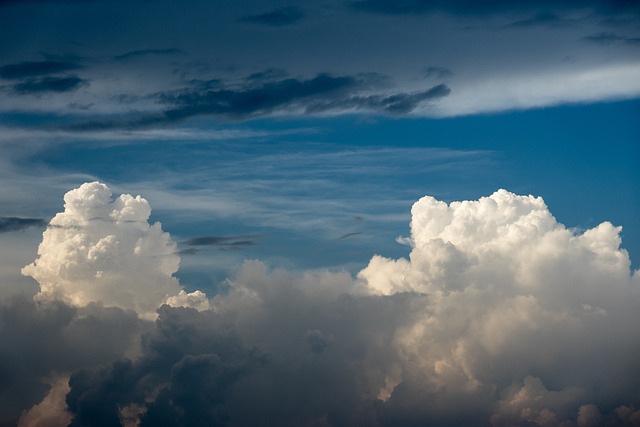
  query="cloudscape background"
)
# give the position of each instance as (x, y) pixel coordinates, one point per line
(322, 213)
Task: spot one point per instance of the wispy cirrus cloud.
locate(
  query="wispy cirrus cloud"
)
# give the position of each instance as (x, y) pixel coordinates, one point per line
(146, 52)
(223, 242)
(608, 38)
(276, 18)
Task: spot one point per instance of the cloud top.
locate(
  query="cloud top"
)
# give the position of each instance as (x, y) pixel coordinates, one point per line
(101, 249)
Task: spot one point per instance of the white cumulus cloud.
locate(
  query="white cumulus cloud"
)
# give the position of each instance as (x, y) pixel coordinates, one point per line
(101, 249)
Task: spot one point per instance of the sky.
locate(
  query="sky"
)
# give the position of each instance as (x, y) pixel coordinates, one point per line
(319, 213)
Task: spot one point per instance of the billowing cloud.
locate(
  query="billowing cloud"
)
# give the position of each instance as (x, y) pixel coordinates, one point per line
(104, 250)
(43, 343)
(499, 308)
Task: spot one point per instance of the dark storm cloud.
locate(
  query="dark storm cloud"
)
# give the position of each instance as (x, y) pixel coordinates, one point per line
(276, 18)
(608, 38)
(146, 52)
(38, 339)
(36, 68)
(193, 358)
(8, 224)
(49, 84)
(211, 370)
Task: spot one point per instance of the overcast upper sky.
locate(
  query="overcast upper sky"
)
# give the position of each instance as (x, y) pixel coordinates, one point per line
(322, 213)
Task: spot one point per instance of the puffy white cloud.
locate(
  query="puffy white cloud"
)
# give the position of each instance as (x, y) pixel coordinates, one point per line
(104, 250)
(517, 298)
(195, 299)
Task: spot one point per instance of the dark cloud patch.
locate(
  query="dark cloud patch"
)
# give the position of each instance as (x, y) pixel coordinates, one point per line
(261, 100)
(8, 224)
(194, 359)
(396, 104)
(347, 235)
(392, 7)
(609, 38)
(437, 72)
(36, 68)
(276, 18)
(41, 339)
(147, 52)
(269, 74)
(226, 242)
(471, 7)
(542, 18)
(321, 94)
(49, 84)
(292, 359)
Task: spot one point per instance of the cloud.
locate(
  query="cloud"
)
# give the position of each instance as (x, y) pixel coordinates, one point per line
(437, 72)
(104, 250)
(276, 18)
(223, 242)
(36, 68)
(541, 18)
(49, 84)
(8, 224)
(146, 52)
(261, 100)
(498, 306)
(262, 96)
(354, 233)
(608, 38)
(467, 7)
(396, 104)
(42, 342)
(321, 94)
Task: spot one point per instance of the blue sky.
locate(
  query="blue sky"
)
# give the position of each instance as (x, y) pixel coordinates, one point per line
(286, 148)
